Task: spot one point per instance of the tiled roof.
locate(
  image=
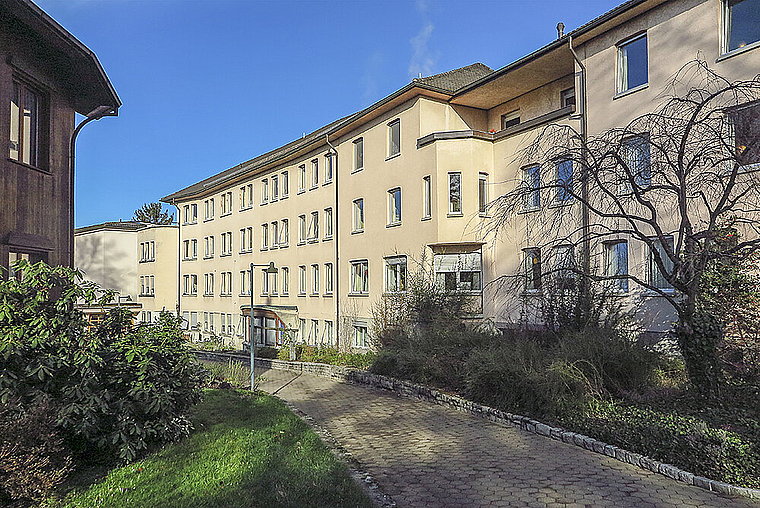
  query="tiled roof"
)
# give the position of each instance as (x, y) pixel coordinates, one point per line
(458, 78)
(447, 82)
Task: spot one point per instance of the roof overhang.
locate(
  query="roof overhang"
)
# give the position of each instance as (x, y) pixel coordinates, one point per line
(547, 64)
(544, 66)
(79, 70)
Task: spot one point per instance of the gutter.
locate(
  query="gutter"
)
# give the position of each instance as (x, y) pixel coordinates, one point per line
(95, 114)
(178, 305)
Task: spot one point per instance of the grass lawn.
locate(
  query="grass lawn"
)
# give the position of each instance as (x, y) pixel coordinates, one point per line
(246, 451)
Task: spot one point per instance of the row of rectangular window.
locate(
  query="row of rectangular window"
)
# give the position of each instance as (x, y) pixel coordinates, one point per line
(190, 321)
(310, 333)
(269, 284)
(615, 266)
(147, 251)
(455, 200)
(454, 272)
(190, 211)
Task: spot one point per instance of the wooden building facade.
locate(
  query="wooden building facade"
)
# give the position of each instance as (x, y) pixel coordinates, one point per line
(46, 76)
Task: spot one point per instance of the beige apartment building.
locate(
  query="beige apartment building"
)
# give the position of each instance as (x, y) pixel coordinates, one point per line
(137, 260)
(345, 212)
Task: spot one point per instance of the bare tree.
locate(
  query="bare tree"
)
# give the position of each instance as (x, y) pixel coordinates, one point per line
(671, 180)
(153, 213)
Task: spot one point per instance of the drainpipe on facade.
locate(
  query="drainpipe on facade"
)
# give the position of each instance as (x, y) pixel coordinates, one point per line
(336, 228)
(179, 262)
(95, 114)
(584, 181)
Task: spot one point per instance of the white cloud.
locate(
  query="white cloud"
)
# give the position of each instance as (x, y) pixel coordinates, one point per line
(373, 67)
(422, 60)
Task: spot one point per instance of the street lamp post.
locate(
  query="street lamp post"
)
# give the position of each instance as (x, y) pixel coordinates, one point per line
(270, 269)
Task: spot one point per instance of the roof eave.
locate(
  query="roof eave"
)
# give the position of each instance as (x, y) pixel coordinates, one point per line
(54, 34)
(583, 29)
(338, 130)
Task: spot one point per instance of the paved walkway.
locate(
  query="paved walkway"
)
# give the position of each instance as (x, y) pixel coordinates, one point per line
(425, 455)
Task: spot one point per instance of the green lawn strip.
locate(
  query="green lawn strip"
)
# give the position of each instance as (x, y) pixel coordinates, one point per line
(247, 451)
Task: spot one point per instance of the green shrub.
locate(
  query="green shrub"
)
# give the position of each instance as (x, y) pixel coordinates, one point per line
(621, 364)
(685, 441)
(435, 355)
(116, 390)
(33, 456)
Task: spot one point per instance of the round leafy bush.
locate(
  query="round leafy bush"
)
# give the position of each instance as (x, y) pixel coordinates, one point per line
(115, 390)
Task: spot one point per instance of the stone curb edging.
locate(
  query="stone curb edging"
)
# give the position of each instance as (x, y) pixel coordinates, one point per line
(368, 484)
(408, 389)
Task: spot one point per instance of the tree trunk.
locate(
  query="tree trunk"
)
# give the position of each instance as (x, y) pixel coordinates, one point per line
(698, 332)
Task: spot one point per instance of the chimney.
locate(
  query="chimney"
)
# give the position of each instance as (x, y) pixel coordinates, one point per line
(560, 30)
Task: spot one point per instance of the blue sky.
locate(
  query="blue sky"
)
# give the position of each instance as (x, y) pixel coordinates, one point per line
(209, 84)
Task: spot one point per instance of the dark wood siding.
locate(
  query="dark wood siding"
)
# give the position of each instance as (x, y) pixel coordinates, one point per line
(36, 203)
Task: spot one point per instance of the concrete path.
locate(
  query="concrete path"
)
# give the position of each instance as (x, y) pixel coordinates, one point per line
(425, 455)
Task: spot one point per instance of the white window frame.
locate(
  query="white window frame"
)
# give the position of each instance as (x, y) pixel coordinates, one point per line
(313, 233)
(562, 195)
(264, 236)
(427, 197)
(533, 186)
(302, 280)
(394, 130)
(359, 277)
(264, 191)
(328, 278)
(394, 206)
(285, 185)
(453, 211)
(358, 215)
(208, 209)
(328, 223)
(395, 274)
(358, 154)
(315, 279)
(302, 178)
(302, 229)
(510, 119)
(361, 336)
(462, 266)
(285, 273)
(483, 193)
(622, 64)
(532, 269)
(314, 174)
(329, 168)
(620, 285)
(284, 232)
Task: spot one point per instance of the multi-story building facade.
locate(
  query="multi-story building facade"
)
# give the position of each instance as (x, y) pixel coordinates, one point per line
(346, 211)
(136, 260)
(46, 76)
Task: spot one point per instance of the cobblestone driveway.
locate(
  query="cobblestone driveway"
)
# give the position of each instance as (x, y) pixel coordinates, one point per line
(424, 455)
